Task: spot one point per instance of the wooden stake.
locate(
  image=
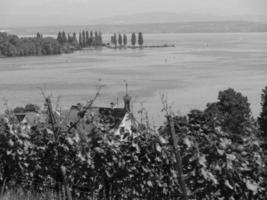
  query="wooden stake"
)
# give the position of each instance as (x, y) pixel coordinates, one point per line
(179, 165)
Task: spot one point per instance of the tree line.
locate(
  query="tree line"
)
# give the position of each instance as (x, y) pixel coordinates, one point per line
(12, 45)
(121, 39)
(85, 39)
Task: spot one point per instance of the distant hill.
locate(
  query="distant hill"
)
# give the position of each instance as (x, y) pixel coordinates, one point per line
(169, 17)
(173, 27)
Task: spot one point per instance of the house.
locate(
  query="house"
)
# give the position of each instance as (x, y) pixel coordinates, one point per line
(115, 120)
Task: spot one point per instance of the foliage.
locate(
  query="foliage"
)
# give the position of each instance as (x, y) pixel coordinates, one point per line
(90, 40)
(140, 39)
(217, 166)
(120, 40)
(124, 39)
(263, 115)
(232, 111)
(12, 45)
(140, 165)
(133, 39)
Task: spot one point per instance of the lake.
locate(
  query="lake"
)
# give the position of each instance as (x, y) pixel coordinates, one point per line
(191, 74)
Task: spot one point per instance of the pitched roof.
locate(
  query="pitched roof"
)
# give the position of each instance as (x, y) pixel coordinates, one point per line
(111, 116)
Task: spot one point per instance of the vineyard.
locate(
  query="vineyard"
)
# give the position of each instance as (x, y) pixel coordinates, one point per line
(57, 161)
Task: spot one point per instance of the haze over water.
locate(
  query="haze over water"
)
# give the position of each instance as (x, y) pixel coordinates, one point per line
(191, 74)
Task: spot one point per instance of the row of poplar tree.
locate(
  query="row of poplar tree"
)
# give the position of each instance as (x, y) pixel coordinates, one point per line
(86, 39)
(121, 39)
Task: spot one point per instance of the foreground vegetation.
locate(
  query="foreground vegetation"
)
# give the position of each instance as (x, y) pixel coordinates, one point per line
(220, 148)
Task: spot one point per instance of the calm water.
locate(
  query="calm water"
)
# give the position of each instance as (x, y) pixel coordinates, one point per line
(191, 74)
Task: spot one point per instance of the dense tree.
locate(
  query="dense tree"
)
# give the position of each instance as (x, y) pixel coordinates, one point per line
(115, 39)
(112, 40)
(263, 116)
(91, 38)
(69, 38)
(74, 39)
(140, 39)
(120, 40)
(125, 40)
(87, 38)
(38, 35)
(59, 37)
(100, 40)
(19, 110)
(83, 39)
(11, 45)
(133, 39)
(64, 37)
(232, 110)
(80, 39)
(32, 108)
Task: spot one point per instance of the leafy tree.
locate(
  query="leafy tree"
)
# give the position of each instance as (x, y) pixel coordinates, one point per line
(232, 110)
(31, 108)
(133, 39)
(100, 40)
(115, 39)
(83, 39)
(69, 38)
(80, 39)
(120, 40)
(125, 40)
(59, 38)
(140, 39)
(112, 39)
(87, 38)
(91, 38)
(74, 39)
(19, 110)
(64, 38)
(38, 35)
(263, 116)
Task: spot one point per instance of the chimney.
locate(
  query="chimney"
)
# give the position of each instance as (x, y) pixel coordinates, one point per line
(127, 103)
(127, 99)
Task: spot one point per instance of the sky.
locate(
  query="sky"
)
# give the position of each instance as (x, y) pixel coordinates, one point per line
(64, 12)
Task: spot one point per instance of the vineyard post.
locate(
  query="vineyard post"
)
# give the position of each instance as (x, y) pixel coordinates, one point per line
(179, 165)
(65, 186)
(3, 189)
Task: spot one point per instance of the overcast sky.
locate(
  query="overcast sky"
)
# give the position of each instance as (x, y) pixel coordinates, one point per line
(51, 12)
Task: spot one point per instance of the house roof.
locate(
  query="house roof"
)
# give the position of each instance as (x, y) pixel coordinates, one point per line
(111, 116)
(31, 118)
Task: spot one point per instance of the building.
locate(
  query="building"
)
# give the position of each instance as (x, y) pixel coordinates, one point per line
(119, 121)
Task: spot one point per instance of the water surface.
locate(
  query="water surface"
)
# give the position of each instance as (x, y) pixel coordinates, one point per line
(191, 74)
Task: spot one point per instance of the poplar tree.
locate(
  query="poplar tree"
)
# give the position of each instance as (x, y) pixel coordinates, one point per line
(80, 39)
(100, 38)
(87, 39)
(115, 39)
(124, 39)
(112, 39)
(69, 38)
(64, 37)
(59, 37)
(140, 39)
(96, 39)
(74, 39)
(133, 39)
(120, 40)
(91, 38)
(83, 39)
